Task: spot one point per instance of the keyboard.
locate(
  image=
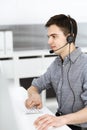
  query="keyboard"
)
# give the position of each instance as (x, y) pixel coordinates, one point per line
(19, 95)
(33, 111)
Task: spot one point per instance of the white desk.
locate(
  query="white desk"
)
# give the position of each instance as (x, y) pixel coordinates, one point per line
(25, 121)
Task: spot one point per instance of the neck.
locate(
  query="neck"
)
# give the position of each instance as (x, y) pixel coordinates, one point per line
(67, 50)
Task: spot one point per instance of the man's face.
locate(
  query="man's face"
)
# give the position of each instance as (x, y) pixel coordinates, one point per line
(56, 39)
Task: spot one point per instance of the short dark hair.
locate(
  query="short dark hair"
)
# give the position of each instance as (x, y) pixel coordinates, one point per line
(64, 22)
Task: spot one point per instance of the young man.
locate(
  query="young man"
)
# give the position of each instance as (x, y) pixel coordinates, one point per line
(67, 75)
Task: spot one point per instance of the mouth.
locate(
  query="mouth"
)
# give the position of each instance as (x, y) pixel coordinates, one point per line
(53, 47)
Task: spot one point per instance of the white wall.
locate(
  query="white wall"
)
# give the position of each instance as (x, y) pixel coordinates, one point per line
(39, 11)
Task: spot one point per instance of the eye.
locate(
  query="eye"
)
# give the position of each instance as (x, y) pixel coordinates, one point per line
(54, 36)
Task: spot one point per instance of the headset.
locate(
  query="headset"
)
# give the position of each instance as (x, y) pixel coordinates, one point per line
(70, 38)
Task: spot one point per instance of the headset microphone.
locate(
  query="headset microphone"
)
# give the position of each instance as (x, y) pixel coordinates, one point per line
(52, 51)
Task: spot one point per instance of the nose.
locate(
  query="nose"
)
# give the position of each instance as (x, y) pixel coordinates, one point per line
(50, 40)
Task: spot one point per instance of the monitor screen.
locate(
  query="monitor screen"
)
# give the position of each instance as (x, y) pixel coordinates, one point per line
(7, 117)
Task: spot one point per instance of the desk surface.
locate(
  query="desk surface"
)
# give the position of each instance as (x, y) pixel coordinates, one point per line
(23, 120)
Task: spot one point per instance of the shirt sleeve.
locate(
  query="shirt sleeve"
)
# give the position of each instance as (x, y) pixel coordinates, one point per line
(44, 81)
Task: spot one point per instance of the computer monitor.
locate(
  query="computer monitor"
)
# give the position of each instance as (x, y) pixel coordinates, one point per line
(7, 117)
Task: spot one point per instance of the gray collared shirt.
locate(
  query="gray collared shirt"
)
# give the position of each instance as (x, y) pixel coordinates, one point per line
(69, 81)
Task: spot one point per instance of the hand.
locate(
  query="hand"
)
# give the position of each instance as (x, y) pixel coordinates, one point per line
(46, 121)
(34, 100)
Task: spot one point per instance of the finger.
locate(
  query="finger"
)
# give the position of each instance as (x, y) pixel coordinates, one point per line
(44, 125)
(41, 119)
(28, 103)
(41, 125)
(39, 106)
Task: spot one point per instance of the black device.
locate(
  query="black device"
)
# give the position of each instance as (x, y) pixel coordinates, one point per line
(58, 113)
(52, 51)
(70, 38)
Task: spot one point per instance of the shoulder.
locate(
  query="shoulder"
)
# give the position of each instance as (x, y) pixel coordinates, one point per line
(54, 65)
(83, 61)
(84, 57)
(55, 61)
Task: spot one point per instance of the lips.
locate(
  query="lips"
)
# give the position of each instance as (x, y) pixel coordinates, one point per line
(53, 47)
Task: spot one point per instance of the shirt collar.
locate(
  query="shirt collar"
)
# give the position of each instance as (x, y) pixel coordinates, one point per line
(75, 54)
(72, 56)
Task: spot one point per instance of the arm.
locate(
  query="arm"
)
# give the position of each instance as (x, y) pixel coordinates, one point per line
(45, 121)
(34, 98)
(77, 117)
(38, 85)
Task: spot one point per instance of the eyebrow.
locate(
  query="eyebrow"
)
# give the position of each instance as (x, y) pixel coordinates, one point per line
(54, 34)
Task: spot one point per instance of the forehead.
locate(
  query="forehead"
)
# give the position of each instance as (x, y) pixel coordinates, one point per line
(54, 29)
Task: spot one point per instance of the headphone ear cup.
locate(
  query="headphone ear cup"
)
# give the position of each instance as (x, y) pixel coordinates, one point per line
(70, 39)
